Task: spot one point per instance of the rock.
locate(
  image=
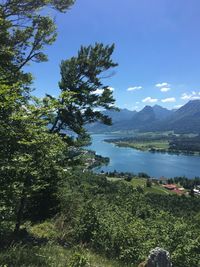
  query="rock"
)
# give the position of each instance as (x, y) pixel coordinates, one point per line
(159, 258)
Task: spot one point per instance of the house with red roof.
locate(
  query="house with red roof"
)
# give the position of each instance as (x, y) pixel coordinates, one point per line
(174, 188)
(170, 186)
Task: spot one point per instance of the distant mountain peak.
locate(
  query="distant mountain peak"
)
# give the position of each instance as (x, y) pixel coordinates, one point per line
(191, 107)
(159, 106)
(146, 108)
(157, 118)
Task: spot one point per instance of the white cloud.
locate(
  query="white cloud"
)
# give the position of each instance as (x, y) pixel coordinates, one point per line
(169, 100)
(134, 88)
(165, 89)
(178, 106)
(160, 85)
(149, 100)
(191, 96)
(99, 91)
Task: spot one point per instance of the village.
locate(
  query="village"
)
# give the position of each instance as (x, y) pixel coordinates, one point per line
(142, 181)
(176, 188)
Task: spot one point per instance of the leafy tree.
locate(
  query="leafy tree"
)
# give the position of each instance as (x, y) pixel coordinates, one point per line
(81, 77)
(24, 33)
(33, 160)
(29, 157)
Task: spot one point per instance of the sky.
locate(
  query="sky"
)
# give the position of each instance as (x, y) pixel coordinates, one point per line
(157, 47)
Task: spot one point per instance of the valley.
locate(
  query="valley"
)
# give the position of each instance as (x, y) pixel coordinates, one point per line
(126, 159)
(100, 146)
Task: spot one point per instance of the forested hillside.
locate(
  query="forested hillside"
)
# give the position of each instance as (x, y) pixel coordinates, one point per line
(112, 219)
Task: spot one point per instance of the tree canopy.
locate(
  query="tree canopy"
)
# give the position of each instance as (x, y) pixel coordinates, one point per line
(33, 158)
(81, 78)
(24, 34)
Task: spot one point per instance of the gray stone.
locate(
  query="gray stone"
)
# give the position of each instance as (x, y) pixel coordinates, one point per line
(159, 257)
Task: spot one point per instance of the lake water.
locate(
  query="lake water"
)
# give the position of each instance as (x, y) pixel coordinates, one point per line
(154, 164)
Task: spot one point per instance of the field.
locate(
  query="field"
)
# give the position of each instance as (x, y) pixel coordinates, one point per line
(161, 142)
(53, 255)
(158, 189)
(145, 145)
(141, 182)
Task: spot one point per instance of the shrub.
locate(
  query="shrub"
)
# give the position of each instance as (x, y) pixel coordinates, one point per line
(78, 260)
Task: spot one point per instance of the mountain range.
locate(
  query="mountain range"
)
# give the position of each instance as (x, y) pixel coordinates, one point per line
(183, 120)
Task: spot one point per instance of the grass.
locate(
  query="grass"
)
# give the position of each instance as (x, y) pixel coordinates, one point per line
(145, 145)
(114, 179)
(51, 255)
(135, 182)
(138, 182)
(158, 189)
(154, 142)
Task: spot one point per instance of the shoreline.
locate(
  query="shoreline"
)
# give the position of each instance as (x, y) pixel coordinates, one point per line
(154, 150)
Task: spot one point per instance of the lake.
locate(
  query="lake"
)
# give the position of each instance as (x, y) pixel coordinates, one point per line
(155, 164)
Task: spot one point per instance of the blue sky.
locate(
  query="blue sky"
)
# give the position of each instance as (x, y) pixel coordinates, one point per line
(157, 49)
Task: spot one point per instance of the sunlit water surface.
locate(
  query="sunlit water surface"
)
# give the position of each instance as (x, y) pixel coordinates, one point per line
(155, 164)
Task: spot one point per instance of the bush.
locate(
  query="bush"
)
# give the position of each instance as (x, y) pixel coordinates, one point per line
(148, 183)
(128, 179)
(78, 260)
(44, 230)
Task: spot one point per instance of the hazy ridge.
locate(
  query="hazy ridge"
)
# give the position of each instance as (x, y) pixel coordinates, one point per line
(183, 120)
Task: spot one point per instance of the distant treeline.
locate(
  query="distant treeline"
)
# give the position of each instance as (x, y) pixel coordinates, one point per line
(185, 182)
(182, 180)
(180, 143)
(139, 138)
(185, 143)
(125, 174)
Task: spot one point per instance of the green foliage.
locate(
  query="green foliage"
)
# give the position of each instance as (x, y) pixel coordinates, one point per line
(42, 173)
(185, 182)
(52, 255)
(124, 223)
(81, 77)
(29, 155)
(148, 183)
(24, 33)
(34, 161)
(78, 260)
(120, 222)
(44, 230)
(21, 256)
(185, 143)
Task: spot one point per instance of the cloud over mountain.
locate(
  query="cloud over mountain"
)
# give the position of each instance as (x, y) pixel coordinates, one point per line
(149, 100)
(190, 96)
(169, 100)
